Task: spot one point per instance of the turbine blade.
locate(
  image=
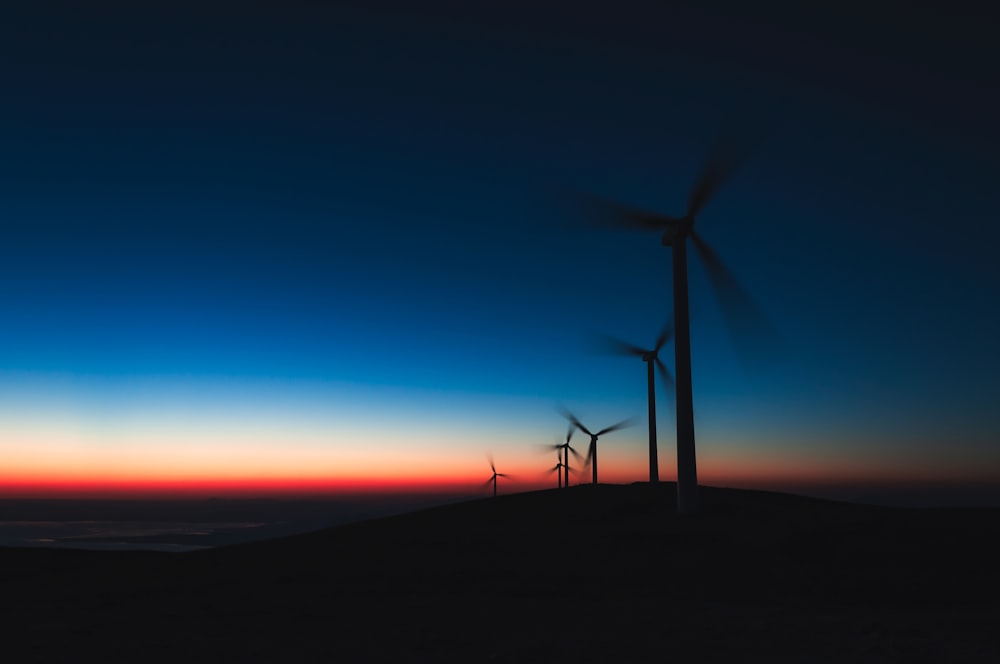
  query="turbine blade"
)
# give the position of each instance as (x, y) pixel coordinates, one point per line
(576, 454)
(749, 327)
(601, 213)
(609, 344)
(615, 427)
(569, 431)
(665, 334)
(726, 156)
(572, 419)
(668, 380)
(489, 457)
(713, 174)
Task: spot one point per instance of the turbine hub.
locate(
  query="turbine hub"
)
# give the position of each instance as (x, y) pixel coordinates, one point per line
(676, 231)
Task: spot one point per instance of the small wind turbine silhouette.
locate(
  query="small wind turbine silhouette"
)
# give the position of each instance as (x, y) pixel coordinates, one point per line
(558, 467)
(495, 475)
(742, 313)
(566, 450)
(592, 449)
(650, 357)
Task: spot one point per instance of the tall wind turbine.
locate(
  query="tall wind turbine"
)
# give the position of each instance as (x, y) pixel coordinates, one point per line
(741, 312)
(592, 449)
(495, 475)
(650, 357)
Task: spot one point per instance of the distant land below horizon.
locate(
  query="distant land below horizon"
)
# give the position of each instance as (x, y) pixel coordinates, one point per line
(755, 576)
(222, 506)
(186, 524)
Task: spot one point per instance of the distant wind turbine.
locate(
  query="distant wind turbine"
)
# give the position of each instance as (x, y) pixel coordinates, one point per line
(565, 450)
(495, 476)
(592, 449)
(650, 357)
(742, 313)
(558, 467)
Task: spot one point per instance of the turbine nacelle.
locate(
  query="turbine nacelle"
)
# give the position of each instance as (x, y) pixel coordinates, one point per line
(676, 230)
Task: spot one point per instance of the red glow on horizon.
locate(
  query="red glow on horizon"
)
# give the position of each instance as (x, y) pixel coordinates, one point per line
(133, 482)
(231, 488)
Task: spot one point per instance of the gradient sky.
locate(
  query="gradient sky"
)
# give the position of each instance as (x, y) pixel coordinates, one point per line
(259, 247)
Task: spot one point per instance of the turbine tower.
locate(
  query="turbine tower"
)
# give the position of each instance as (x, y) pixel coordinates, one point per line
(742, 313)
(592, 449)
(650, 357)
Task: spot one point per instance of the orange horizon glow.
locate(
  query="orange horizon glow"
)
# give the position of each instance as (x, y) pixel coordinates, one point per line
(254, 463)
(204, 485)
(226, 488)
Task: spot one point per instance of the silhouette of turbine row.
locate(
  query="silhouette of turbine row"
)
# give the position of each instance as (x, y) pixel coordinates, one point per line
(564, 450)
(591, 459)
(744, 318)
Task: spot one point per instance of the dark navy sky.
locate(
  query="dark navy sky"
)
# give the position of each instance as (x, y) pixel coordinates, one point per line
(341, 217)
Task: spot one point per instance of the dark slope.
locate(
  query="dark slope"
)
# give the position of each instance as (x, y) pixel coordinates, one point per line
(588, 574)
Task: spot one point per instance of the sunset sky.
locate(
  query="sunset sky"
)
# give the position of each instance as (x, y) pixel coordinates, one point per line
(278, 247)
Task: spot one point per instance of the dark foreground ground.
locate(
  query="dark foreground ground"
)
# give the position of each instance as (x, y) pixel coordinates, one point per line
(589, 574)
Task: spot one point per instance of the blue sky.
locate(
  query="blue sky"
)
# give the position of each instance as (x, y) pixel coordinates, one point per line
(304, 217)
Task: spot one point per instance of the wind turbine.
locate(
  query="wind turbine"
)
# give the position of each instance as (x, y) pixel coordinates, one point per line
(741, 312)
(558, 467)
(495, 476)
(565, 450)
(592, 449)
(650, 357)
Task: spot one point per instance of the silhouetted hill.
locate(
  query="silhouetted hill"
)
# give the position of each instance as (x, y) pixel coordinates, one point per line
(586, 574)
